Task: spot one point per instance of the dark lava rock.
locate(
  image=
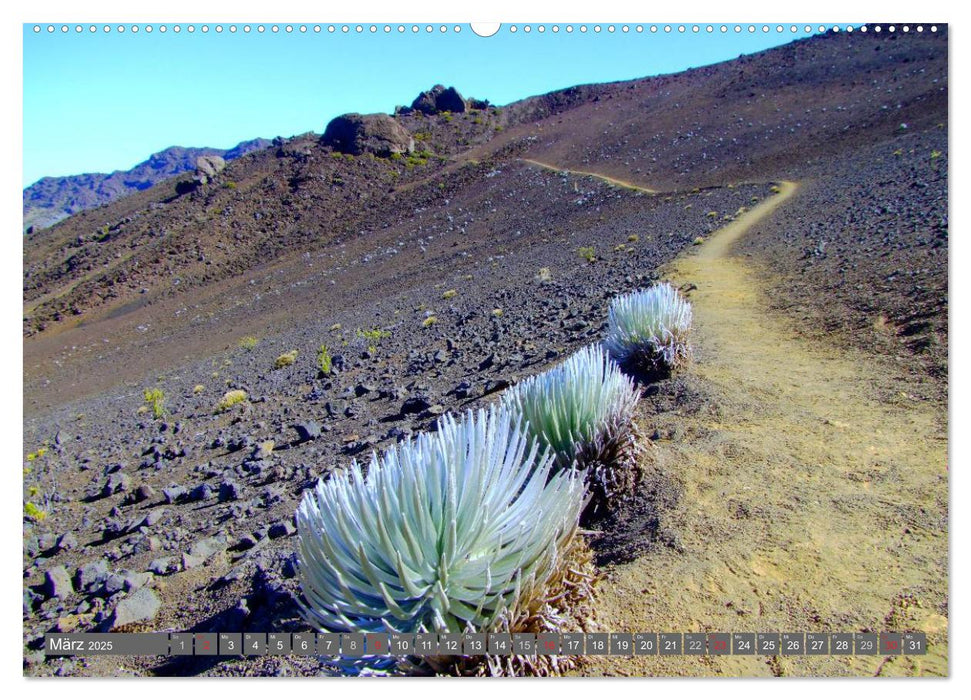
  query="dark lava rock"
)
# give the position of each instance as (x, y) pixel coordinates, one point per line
(116, 483)
(91, 575)
(247, 541)
(271, 496)
(494, 385)
(202, 492)
(289, 568)
(439, 99)
(41, 543)
(463, 390)
(283, 528)
(57, 583)
(487, 362)
(307, 430)
(202, 550)
(377, 134)
(237, 616)
(415, 404)
(140, 606)
(126, 581)
(139, 521)
(143, 493)
(145, 544)
(262, 451)
(67, 542)
(31, 599)
(162, 566)
(173, 493)
(229, 491)
(237, 444)
(396, 434)
(114, 528)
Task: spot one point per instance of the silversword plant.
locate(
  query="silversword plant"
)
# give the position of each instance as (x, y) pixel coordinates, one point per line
(648, 331)
(454, 530)
(583, 410)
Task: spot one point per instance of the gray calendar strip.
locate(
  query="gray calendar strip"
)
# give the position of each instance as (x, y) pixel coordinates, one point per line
(570, 643)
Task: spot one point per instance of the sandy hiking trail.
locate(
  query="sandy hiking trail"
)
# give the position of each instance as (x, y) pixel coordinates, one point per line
(812, 491)
(582, 173)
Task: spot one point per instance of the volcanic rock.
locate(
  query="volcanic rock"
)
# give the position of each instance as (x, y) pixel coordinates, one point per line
(140, 606)
(57, 583)
(377, 134)
(207, 167)
(439, 99)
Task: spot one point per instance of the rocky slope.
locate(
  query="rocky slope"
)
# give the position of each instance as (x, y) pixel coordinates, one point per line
(52, 199)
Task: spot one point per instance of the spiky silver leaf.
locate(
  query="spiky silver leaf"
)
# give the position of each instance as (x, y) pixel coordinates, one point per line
(448, 532)
(647, 330)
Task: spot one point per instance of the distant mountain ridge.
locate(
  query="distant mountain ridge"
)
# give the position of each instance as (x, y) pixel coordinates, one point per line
(52, 199)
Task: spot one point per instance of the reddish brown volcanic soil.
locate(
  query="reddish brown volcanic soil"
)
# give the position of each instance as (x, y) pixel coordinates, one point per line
(298, 246)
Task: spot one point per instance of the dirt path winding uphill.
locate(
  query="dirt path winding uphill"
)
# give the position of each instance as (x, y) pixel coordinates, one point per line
(812, 491)
(609, 180)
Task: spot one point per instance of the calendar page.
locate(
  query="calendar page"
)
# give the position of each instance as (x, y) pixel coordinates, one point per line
(437, 348)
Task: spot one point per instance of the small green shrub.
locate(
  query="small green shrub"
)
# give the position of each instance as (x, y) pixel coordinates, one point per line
(429, 321)
(33, 512)
(156, 400)
(198, 389)
(285, 360)
(248, 342)
(587, 253)
(373, 337)
(230, 399)
(41, 451)
(449, 294)
(324, 360)
(373, 334)
(544, 275)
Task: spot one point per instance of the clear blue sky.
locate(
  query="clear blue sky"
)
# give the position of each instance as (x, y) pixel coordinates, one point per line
(97, 102)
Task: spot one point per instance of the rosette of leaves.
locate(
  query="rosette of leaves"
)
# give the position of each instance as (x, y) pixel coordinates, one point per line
(583, 410)
(456, 530)
(647, 331)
